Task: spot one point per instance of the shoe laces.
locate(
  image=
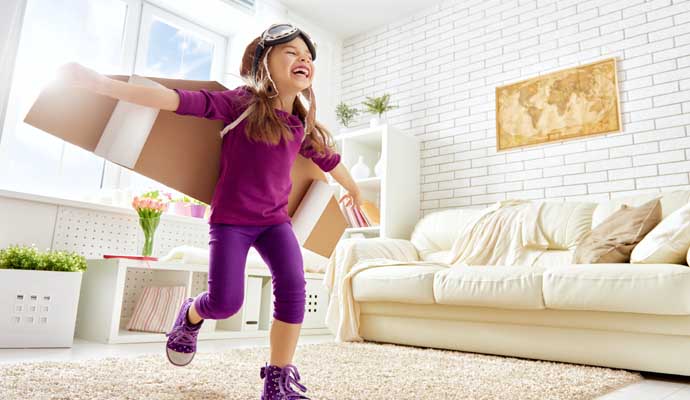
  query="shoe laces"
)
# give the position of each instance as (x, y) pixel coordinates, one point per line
(183, 335)
(288, 376)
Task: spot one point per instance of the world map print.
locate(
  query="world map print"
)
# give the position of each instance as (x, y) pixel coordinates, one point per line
(579, 101)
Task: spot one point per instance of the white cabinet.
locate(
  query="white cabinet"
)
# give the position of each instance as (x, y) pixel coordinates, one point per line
(111, 287)
(396, 192)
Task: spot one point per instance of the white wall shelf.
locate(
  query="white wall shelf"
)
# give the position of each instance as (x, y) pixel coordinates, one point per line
(111, 287)
(396, 192)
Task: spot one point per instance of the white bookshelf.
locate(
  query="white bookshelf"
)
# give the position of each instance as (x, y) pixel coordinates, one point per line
(396, 192)
(111, 287)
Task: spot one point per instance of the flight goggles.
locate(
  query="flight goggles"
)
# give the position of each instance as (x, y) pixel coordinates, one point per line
(277, 34)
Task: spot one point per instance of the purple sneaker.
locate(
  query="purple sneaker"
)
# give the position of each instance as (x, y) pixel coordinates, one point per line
(181, 345)
(277, 383)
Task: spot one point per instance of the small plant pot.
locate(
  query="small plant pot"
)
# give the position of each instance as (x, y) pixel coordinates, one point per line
(198, 210)
(182, 208)
(376, 121)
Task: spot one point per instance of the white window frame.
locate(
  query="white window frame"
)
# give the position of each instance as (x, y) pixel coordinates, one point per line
(135, 50)
(149, 12)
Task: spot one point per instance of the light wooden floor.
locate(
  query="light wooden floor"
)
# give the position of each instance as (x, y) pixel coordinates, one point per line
(654, 387)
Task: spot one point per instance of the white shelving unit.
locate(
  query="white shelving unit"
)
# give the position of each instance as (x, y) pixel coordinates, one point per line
(111, 287)
(396, 192)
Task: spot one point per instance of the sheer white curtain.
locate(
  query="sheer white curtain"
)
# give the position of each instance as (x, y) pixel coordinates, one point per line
(54, 32)
(11, 15)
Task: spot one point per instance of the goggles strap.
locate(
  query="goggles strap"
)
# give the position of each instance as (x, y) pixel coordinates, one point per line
(268, 73)
(311, 113)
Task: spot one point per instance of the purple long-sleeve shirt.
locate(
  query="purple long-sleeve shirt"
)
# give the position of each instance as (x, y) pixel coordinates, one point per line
(254, 178)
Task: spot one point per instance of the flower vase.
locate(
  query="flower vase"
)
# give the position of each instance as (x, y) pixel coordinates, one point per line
(378, 168)
(148, 225)
(360, 170)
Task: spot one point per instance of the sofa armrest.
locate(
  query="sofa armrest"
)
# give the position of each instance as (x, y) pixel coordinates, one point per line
(394, 249)
(349, 252)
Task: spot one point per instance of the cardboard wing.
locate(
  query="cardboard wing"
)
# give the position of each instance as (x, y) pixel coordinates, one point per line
(181, 152)
(314, 221)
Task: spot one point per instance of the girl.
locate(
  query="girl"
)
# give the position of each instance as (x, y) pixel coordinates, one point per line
(267, 127)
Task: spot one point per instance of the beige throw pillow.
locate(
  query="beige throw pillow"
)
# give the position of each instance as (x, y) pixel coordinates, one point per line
(613, 239)
(668, 242)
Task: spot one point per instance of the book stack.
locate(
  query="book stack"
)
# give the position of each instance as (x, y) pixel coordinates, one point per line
(363, 216)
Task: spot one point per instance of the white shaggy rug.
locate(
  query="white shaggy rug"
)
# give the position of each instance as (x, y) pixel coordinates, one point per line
(329, 371)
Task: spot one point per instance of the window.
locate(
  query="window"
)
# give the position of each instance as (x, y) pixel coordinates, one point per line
(171, 47)
(113, 37)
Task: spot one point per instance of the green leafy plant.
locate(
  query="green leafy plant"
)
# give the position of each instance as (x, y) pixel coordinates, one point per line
(345, 113)
(378, 105)
(30, 258)
(187, 199)
(151, 195)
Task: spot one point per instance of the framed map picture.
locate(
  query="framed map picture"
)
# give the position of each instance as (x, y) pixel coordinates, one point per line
(561, 105)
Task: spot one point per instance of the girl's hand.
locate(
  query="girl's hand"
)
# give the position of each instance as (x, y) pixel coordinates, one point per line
(75, 74)
(351, 198)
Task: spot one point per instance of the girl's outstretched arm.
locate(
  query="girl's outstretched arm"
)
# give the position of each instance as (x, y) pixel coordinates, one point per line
(78, 75)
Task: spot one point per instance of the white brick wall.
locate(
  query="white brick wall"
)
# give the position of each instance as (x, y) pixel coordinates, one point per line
(441, 67)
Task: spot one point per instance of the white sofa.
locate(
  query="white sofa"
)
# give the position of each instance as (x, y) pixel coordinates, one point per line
(630, 316)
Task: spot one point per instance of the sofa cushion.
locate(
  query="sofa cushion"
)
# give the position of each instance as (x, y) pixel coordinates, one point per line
(438, 256)
(404, 284)
(517, 287)
(613, 240)
(551, 258)
(437, 231)
(565, 223)
(638, 288)
(670, 202)
(668, 242)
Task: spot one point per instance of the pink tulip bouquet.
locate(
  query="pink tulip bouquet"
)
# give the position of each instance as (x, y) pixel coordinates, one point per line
(149, 208)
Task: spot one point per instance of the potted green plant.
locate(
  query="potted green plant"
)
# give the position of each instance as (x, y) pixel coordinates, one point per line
(182, 205)
(345, 114)
(378, 106)
(41, 293)
(198, 208)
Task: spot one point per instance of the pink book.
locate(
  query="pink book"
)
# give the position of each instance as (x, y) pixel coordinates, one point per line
(364, 217)
(353, 217)
(358, 215)
(142, 258)
(344, 211)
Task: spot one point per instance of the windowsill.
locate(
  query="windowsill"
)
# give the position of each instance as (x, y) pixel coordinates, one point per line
(80, 203)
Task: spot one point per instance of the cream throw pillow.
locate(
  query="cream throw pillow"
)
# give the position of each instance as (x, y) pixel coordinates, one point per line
(613, 239)
(668, 242)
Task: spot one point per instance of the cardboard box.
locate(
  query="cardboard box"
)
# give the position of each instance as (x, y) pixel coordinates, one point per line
(182, 152)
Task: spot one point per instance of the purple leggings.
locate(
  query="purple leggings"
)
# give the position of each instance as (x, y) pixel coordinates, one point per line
(228, 248)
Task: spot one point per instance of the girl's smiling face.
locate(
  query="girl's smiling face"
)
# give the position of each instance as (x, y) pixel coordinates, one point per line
(291, 66)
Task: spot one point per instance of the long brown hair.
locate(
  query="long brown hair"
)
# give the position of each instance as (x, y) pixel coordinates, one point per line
(263, 124)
